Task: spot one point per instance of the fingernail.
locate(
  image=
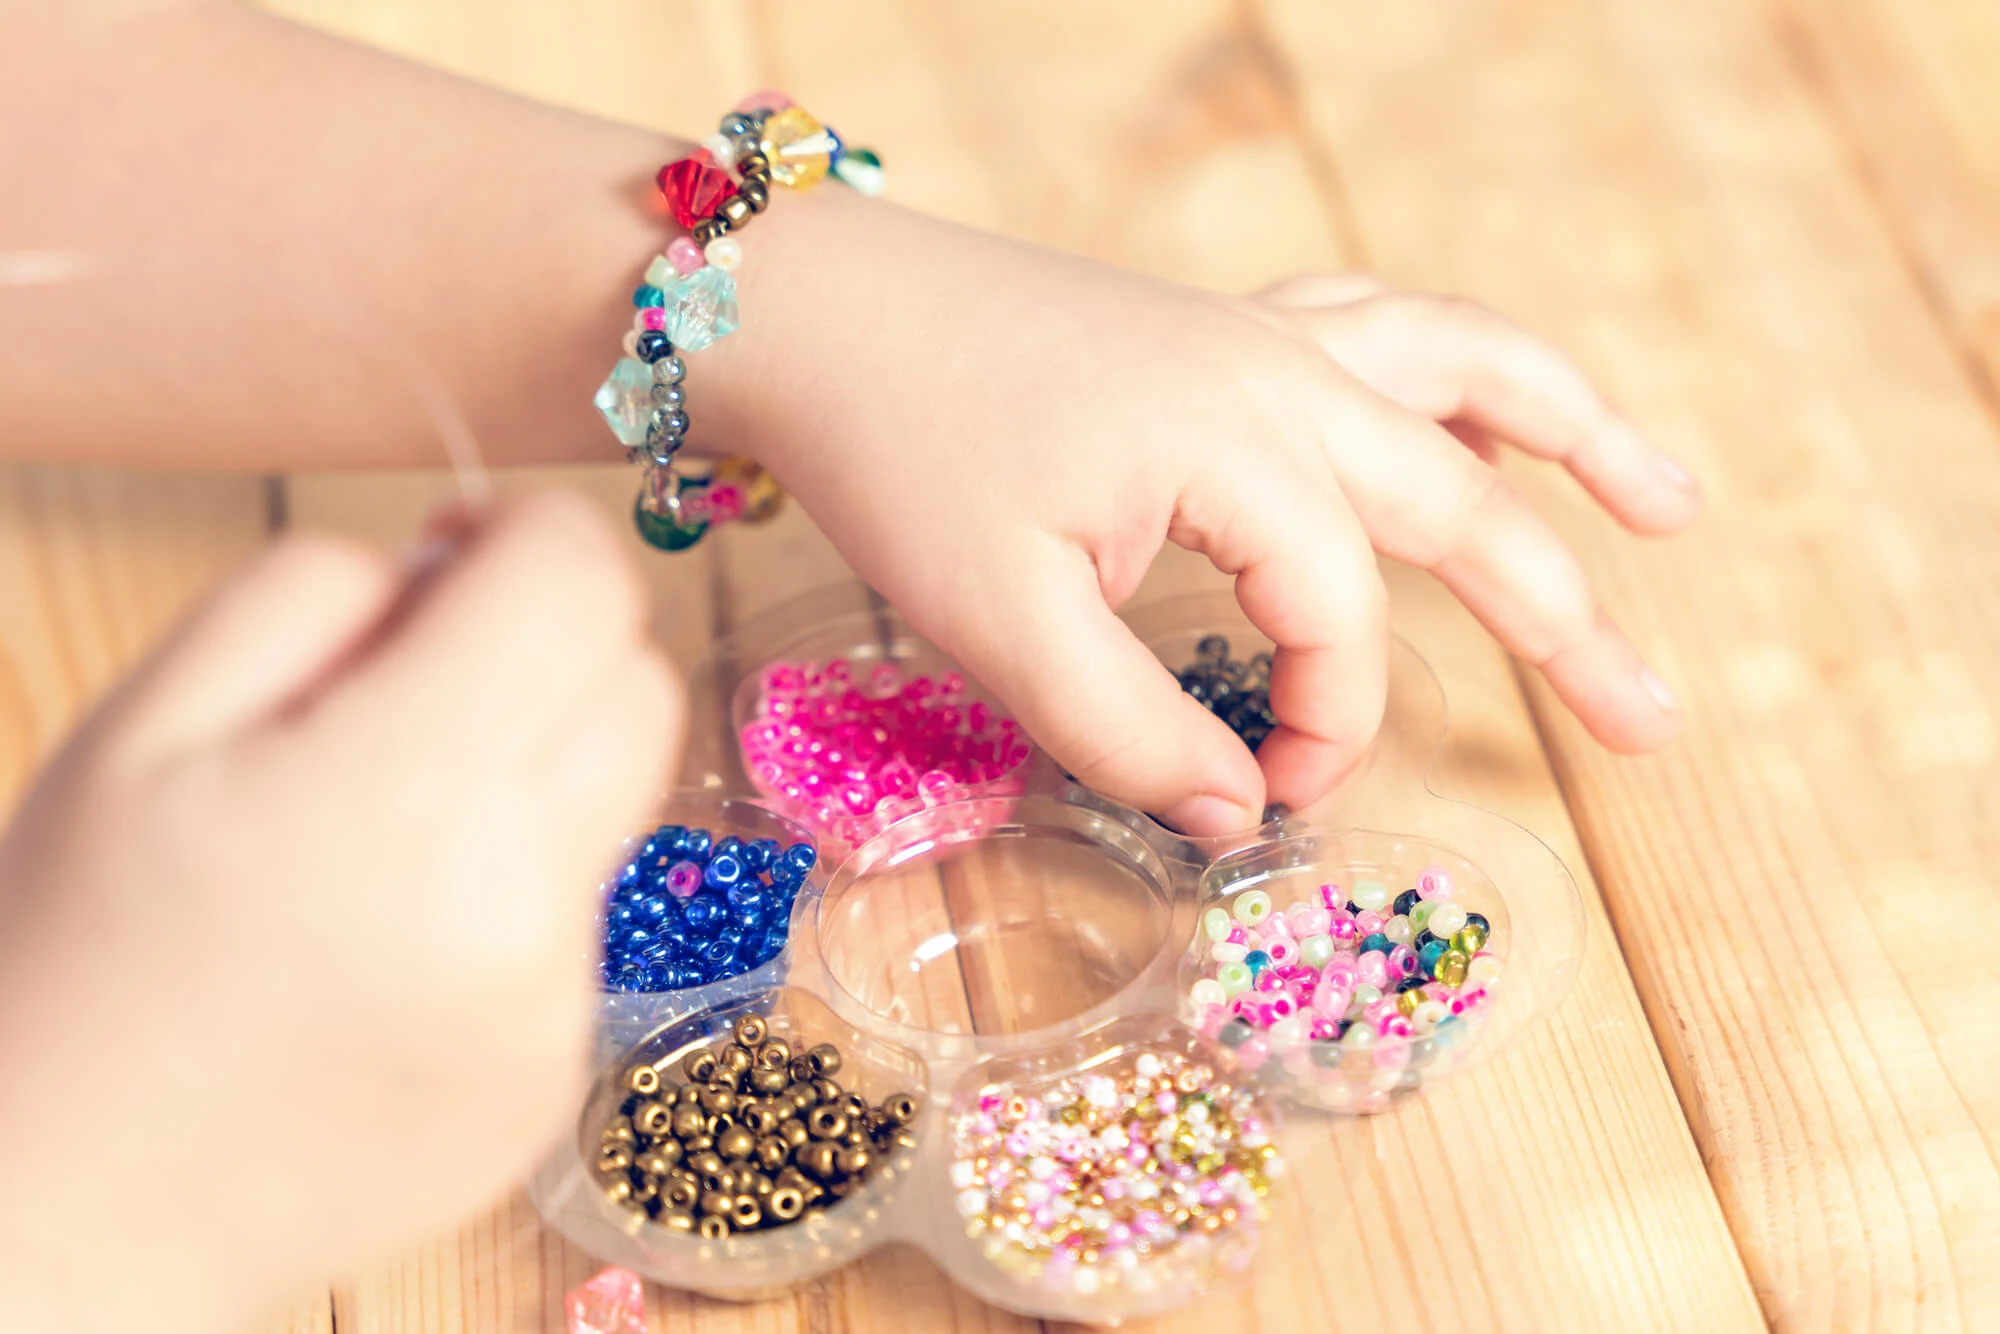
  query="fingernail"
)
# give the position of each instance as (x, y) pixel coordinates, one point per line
(1206, 815)
(426, 554)
(1661, 692)
(1675, 472)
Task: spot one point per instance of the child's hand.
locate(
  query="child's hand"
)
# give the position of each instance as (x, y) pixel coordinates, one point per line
(296, 937)
(1000, 439)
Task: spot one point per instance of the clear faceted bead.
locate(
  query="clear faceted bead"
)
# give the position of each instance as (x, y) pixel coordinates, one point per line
(701, 308)
(626, 399)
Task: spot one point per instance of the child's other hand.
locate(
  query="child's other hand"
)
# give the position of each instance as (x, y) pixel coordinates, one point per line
(1000, 439)
(296, 943)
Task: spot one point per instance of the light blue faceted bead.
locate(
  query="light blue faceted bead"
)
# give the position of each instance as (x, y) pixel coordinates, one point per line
(626, 400)
(701, 308)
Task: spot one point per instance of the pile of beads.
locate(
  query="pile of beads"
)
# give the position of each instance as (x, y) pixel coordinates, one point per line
(690, 908)
(687, 301)
(1146, 1172)
(849, 758)
(1375, 975)
(1236, 691)
(759, 1137)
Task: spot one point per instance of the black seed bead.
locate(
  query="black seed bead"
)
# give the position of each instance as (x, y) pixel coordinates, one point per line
(1479, 920)
(653, 345)
(1411, 983)
(1405, 901)
(1424, 937)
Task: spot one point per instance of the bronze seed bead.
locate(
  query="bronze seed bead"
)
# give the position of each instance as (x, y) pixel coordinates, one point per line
(645, 1190)
(855, 1138)
(746, 1213)
(900, 1107)
(825, 1059)
(826, 1122)
(786, 1203)
(735, 1142)
(736, 209)
(724, 1181)
(670, 1151)
(654, 1164)
(751, 1030)
(755, 193)
(620, 1131)
(715, 1202)
(677, 1220)
(699, 1065)
(776, 1054)
(643, 1080)
(713, 1229)
(816, 1159)
(688, 1121)
(853, 1160)
(614, 1160)
(793, 1131)
(792, 1177)
(753, 163)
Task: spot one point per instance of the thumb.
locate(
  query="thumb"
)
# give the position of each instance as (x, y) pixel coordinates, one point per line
(1097, 699)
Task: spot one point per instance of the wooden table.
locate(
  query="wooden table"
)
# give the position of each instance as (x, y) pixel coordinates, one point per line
(1772, 227)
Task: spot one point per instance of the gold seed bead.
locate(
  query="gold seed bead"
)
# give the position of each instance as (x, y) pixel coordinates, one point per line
(768, 1081)
(619, 1191)
(724, 1181)
(701, 1143)
(736, 209)
(826, 1122)
(751, 1030)
(900, 1108)
(801, 1070)
(736, 1059)
(735, 1142)
(652, 1119)
(643, 1080)
(717, 1099)
(776, 1053)
(713, 1229)
(853, 1160)
(706, 1163)
(825, 1059)
(682, 1194)
(715, 1202)
(677, 1220)
(817, 1160)
(773, 1153)
(688, 1121)
(793, 1131)
(787, 1203)
(699, 1065)
(753, 163)
(827, 1090)
(704, 232)
(746, 1213)
(755, 193)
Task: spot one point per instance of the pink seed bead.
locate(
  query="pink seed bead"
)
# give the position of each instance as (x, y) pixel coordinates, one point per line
(768, 100)
(1282, 1007)
(1345, 934)
(1374, 969)
(1331, 897)
(1341, 969)
(1402, 963)
(1434, 883)
(685, 255)
(1238, 936)
(683, 879)
(655, 317)
(1282, 950)
(1368, 923)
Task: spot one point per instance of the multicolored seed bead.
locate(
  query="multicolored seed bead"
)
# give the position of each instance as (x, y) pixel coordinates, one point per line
(1150, 1169)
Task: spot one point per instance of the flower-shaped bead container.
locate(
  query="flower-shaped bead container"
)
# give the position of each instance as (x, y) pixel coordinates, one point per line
(1026, 951)
(822, 691)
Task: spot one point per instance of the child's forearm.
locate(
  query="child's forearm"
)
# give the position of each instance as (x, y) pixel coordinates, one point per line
(280, 233)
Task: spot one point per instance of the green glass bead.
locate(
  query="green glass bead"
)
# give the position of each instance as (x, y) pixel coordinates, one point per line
(1235, 977)
(664, 531)
(1451, 966)
(1216, 923)
(1252, 906)
(1420, 916)
(1370, 894)
(1316, 951)
(1446, 919)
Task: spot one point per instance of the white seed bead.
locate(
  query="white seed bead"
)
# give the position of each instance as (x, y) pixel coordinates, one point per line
(723, 149)
(724, 252)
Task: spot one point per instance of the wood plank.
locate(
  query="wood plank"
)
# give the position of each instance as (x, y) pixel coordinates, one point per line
(979, 109)
(1653, 187)
(1912, 88)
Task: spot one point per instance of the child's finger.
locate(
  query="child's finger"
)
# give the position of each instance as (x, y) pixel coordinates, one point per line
(1430, 502)
(535, 608)
(263, 639)
(1306, 576)
(1450, 359)
(1091, 695)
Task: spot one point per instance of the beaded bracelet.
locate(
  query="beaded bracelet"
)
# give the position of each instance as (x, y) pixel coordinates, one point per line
(688, 300)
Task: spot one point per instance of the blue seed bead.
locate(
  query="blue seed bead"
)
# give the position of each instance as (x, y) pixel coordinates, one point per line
(718, 953)
(704, 913)
(801, 857)
(668, 840)
(637, 939)
(732, 933)
(655, 908)
(752, 921)
(759, 853)
(724, 871)
(1429, 955)
(623, 915)
(1377, 941)
(648, 295)
(629, 875)
(1258, 961)
(697, 845)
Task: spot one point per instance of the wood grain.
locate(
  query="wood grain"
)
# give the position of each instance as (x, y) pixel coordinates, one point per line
(1654, 188)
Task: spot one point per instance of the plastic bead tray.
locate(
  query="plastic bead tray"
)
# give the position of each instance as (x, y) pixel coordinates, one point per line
(1017, 941)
